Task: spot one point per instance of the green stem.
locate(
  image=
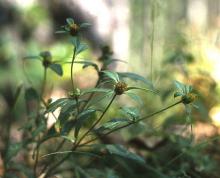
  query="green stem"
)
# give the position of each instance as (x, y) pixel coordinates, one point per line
(133, 122)
(41, 96)
(152, 41)
(73, 59)
(77, 144)
(100, 118)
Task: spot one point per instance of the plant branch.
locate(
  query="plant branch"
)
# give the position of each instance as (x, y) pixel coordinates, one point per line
(100, 118)
(133, 122)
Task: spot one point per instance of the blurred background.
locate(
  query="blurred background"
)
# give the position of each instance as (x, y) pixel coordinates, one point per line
(160, 40)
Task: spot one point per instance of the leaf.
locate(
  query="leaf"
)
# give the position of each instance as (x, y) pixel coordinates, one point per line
(87, 64)
(112, 124)
(70, 21)
(143, 89)
(82, 118)
(40, 128)
(68, 138)
(13, 150)
(61, 103)
(119, 150)
(96, 100)
(135, 97)
(60, 31)
(112, 75)
(31, 94)
(80, 48)
(176, 94)
(110, 61)
(180, 86)
(95, 90)
(75, 41)
(85, 25)
(132, 112)
(56, 68)
(135, 77)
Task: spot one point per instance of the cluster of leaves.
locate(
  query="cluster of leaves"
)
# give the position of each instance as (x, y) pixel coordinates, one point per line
(80, 121)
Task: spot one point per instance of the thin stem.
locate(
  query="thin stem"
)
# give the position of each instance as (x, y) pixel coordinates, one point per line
(41, 96)
(100, 118)
(133, 122)
(77, 144)
(152, 41)
(72, 62)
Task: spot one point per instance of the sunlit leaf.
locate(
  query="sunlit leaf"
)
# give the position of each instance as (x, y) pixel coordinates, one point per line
(180, 86)
(135, 77)
(176, 94)
(112, 75)
(80, 48)
(131, 112)
(140, 88)
(112, 124)
(135, 97)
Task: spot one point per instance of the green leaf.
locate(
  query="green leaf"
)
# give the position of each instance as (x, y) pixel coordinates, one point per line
(61, 103)
(180, 86)
(119, 150)
(13, 150)
(80, 48)
(143, 89)
(75, 41)
(85, 25)
(176, 94)
(112, 75)
(95, 90)
(31, 94)
(96, 100)
(82, 118)
(135, 97)
(131, 112)
(56, 68)
(112, 124)
(70, 21)
(87, 64)
(135, 77)
(60, 31)
(40, 128)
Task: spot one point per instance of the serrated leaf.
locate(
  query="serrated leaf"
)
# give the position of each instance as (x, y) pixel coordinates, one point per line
(56, 68)
(119, 150)
(61, 103)
(112, 75)
(95, 90)
(131, 112)
(180, 86)
(176, 94)
(135, 77)
(95, 100)
(70, 21)
(112, 124)
(135, 97)
(140, 88)
(82, 118)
